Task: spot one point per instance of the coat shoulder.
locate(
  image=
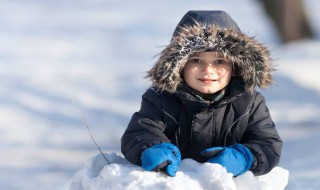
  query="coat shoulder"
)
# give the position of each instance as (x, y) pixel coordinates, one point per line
(159, 97)
(244, 101)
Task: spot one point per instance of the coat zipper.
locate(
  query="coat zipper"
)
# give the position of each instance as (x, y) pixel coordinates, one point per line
(233, 124)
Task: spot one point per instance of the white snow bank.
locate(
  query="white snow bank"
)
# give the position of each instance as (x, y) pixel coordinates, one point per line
(97, 174)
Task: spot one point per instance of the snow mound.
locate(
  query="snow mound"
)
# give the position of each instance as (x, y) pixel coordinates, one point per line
(120, 174)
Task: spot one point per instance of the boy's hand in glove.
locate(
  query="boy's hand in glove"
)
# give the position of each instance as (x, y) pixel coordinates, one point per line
(165, 157)
(237, 159)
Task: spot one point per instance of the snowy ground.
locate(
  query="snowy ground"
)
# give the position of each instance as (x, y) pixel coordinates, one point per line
(96, 52)
(122, 175)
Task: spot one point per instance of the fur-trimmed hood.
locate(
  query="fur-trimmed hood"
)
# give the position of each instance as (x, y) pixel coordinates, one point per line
(200, 31)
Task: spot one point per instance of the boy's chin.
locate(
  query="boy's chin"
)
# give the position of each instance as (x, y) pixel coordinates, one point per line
(208, 91)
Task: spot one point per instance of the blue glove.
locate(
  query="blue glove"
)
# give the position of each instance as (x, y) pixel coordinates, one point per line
(164, 156)
(237, 159)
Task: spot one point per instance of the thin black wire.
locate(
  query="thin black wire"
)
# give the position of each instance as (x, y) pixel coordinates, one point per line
(86, 125)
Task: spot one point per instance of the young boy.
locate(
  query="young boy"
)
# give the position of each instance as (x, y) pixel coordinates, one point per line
(203, 104)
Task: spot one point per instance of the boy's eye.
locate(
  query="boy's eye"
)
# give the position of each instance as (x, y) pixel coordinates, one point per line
(195, 60)
(220, 61)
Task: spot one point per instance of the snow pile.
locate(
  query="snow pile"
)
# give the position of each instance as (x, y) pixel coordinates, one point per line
(120, 174)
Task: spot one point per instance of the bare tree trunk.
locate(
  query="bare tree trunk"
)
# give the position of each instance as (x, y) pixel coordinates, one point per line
(290, 19)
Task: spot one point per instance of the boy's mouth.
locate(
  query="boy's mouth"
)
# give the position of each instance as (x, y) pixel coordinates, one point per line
(206, 80)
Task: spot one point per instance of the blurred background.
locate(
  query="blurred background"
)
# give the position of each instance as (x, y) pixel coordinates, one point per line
(97, 53)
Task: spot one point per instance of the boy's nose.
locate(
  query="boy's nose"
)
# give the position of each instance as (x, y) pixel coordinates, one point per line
(209, 68)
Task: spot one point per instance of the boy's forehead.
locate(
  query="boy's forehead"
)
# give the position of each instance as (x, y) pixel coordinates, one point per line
(205, 53)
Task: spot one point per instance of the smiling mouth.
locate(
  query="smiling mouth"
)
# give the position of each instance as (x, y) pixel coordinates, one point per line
(206, 80)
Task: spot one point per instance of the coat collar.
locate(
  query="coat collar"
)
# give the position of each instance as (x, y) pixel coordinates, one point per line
(191, 99)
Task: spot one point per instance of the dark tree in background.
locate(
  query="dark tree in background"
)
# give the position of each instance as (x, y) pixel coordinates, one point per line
(290, 19)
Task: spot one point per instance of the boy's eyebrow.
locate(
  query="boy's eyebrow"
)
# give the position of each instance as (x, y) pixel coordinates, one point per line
(220, 56)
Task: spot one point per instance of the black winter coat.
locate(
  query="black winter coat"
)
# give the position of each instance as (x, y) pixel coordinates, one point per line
(195, 125)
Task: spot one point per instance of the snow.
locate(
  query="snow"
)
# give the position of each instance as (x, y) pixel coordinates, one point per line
(120, 174)
(97, 52)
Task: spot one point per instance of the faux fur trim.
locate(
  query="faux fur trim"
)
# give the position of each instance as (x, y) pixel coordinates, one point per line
(251, 58)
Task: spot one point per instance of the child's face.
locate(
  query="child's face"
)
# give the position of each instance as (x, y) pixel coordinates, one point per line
(207, 72)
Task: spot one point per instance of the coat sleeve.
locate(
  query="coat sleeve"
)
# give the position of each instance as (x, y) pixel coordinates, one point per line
(145, 128)
(262, 138)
